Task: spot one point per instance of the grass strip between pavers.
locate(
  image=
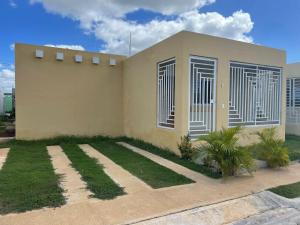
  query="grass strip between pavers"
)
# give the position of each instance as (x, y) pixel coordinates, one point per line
(153, 174)
(288, 191)
(28, 181)
(167, 154)
(98, 182)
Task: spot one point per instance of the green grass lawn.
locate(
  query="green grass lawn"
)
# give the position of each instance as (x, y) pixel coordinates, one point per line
(28, 181)
(98, 182)
(293, 144)
(167, 154)
(288, 191)
(150, 172)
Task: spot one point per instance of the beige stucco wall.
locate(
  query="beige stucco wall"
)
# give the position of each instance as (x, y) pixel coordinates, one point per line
(66, 98)
(293, 71)
(140, 98)
(140, 84)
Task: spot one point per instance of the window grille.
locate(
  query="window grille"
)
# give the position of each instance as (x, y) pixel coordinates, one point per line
(293, 101)
(254, 95)
(166, 93)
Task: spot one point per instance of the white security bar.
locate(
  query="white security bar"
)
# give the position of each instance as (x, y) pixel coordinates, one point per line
(293, 101)
(202, 96)
(254, 95)
(166, 93)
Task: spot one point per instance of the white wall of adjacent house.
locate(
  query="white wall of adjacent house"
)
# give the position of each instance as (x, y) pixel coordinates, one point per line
(1, 103)
(293, 99)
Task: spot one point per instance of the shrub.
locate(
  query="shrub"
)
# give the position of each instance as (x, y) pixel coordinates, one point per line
(222, 151)
(185, 147)
(2, 126)
(272, 149)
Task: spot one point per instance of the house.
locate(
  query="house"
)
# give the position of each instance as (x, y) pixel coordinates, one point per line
(293, 99)
(188, 83)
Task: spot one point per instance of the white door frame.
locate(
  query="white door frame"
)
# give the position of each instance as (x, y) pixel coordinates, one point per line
(214, 86)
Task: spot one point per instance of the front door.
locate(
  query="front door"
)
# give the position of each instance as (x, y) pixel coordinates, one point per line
(202, 96)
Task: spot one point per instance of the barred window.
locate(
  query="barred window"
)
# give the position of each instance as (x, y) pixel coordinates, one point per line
(166, 93)
(254, 95)
(293, 100)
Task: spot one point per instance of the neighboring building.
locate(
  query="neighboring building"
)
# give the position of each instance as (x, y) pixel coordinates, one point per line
(293, 99)
(8, 102)
(188, 83)
(1, 103)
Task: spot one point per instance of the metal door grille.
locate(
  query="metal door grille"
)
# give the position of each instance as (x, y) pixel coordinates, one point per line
(202, 96)
(254, 95)
(166, 94)
(293, 101)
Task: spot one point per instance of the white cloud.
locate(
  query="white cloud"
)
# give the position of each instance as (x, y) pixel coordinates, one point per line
(12, 47)
(12, 3)
(96, 10)
(7, 79)
(116, 32)
(6, 73)
(72, 47)
(106, 20)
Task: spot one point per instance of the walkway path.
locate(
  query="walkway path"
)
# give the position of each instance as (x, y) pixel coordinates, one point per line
(125, 179)
(3, 156)
(198, 177)
(75, 188)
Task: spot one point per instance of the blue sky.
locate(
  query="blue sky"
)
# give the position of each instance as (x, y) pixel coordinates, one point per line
(65, 22)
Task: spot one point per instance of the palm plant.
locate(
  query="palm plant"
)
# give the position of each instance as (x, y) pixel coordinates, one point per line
(272, 149)
(221, 149)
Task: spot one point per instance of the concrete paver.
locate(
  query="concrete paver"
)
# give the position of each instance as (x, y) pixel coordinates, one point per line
(125, 179)
(75, 188)
(3, 156)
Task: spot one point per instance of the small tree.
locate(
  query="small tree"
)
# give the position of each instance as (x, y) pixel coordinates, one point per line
(272, 149)
(185, 147)
(222, 150)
